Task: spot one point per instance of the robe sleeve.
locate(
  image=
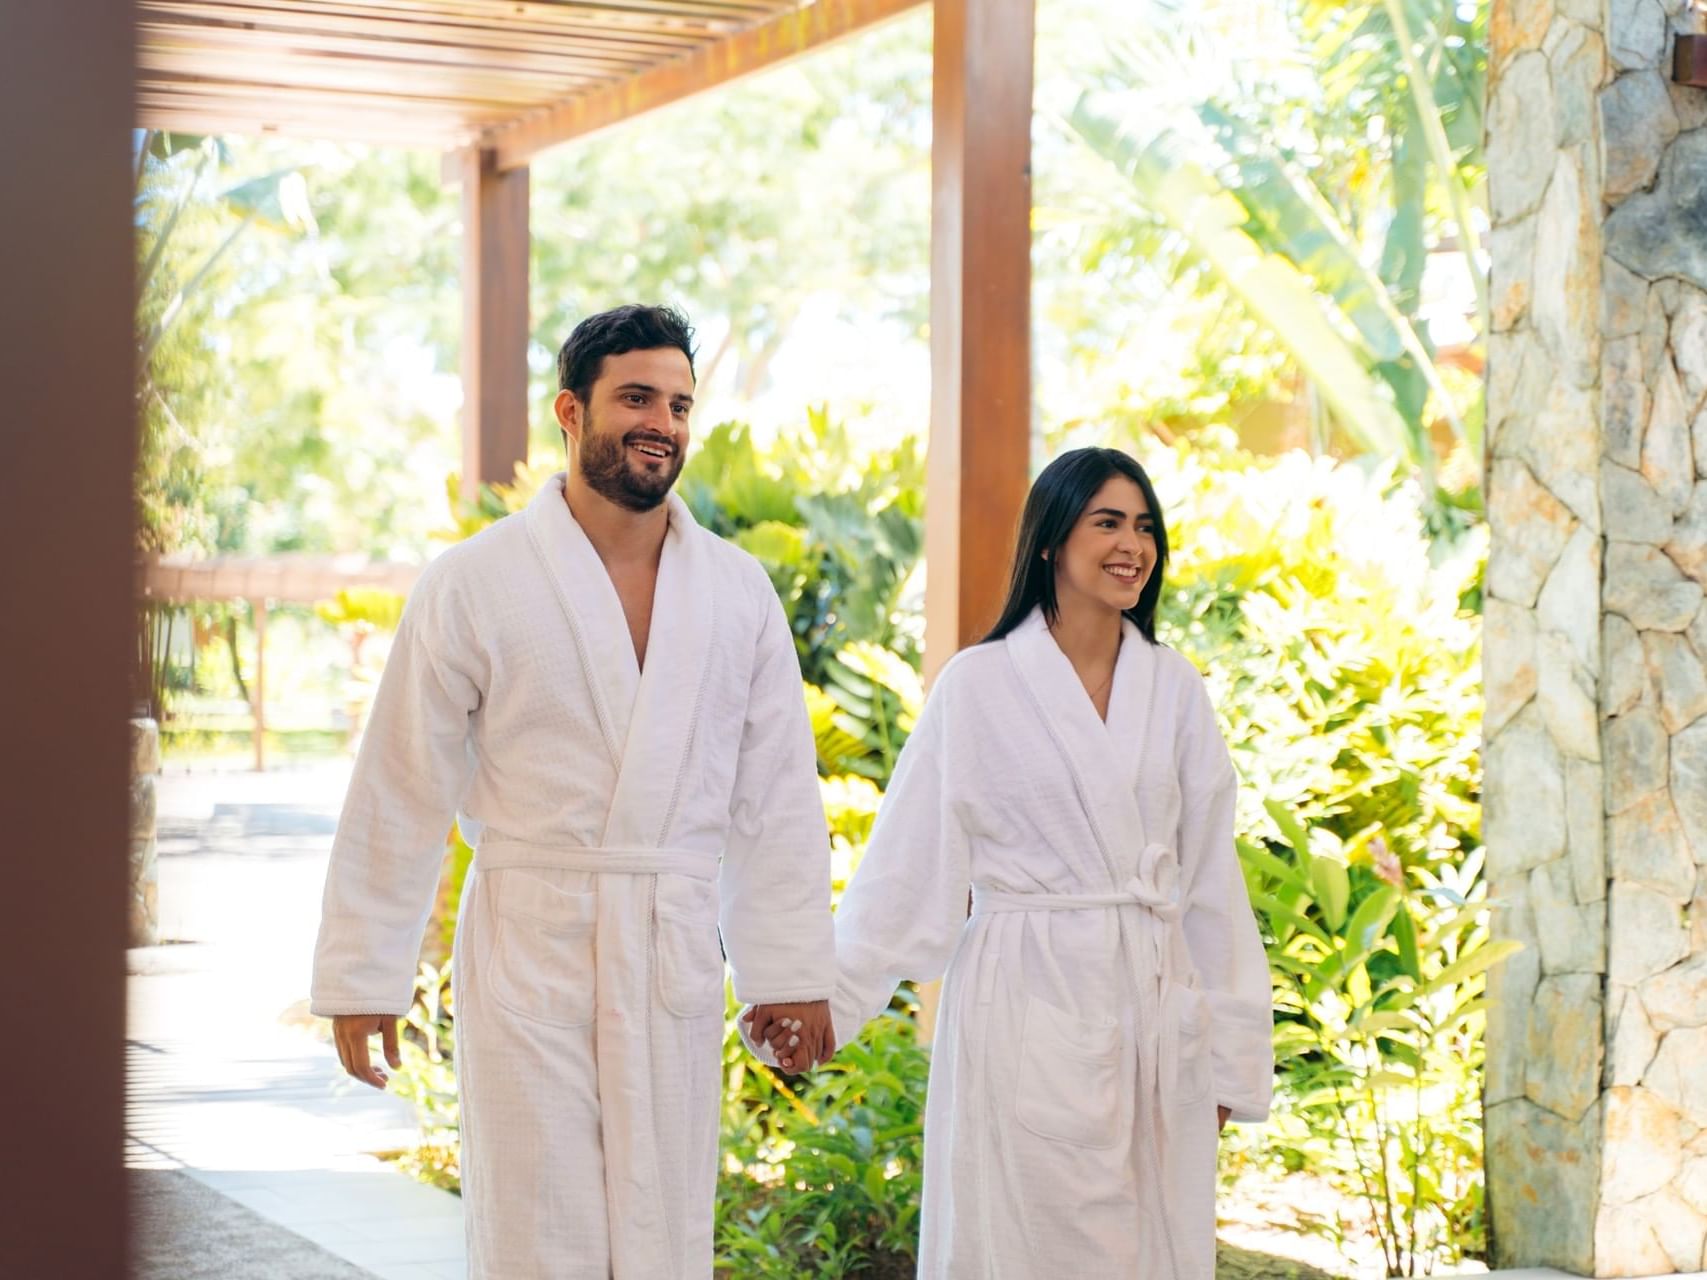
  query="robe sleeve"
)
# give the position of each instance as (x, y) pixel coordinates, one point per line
(903, 912)
(403, 794)
(775, 878)
(1220, 929)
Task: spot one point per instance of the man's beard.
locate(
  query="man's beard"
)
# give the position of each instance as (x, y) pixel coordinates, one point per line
(609, 472)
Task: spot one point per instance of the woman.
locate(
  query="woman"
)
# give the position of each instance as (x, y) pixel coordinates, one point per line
(1106, 1006)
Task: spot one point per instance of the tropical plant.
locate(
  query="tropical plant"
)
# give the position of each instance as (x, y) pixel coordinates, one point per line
(822, 1173)
(840, 529)
(1311, 201)
(1379, 975)
(427, 1079)
(188, 217)
(1340, 646)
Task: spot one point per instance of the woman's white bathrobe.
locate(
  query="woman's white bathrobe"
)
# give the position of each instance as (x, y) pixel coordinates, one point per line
(619, 819)
(1109, 989)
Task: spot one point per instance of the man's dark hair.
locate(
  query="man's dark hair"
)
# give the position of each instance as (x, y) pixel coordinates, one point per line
(614, 332)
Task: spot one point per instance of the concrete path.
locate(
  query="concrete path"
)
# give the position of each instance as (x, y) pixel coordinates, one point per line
(228, 1084)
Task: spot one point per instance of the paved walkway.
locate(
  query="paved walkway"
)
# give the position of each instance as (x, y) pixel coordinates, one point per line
(229, 1087)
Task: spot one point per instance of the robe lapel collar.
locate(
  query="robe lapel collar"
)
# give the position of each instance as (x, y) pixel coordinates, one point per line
(1102, 756)
(590, 604)
(1130, 701)
(666, 709)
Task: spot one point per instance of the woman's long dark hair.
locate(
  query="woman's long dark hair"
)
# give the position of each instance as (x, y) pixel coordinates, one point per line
(1057, 499)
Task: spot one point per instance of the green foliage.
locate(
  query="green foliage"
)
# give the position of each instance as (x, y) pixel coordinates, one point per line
(822, 1173)
(188, 214)
(839, 529)
(428, 1080)
(799, 190)
(363, 609)
(1274, 183)
(1337, 644)
(1379, 982)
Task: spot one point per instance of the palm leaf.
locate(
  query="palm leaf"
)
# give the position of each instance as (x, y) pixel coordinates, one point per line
(1161, 167)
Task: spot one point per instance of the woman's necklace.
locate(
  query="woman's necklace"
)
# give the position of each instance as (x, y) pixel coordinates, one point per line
(1104, 686)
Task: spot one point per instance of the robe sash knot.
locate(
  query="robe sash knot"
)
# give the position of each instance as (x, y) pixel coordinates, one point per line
(1155, 888)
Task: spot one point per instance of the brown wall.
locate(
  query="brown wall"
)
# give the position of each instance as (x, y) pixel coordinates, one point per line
(66, 448)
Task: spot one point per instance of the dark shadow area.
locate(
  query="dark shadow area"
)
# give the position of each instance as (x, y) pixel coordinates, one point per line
(1243, 1264)
(185, 1231)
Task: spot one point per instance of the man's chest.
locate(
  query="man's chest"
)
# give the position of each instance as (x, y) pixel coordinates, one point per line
(635, 590)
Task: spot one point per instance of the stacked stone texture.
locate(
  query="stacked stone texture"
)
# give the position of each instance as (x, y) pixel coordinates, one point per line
(1596, 640)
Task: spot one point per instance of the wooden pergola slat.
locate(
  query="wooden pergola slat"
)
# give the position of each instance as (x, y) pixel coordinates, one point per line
(471, 65)
(280, 16)
(784, 37)
(547, 62)
(582, 21)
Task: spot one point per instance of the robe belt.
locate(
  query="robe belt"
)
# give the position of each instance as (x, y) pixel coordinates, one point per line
(1155, 888)
(500, 854)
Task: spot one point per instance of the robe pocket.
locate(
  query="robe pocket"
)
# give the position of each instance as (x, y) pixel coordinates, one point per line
(690, 956)
(1069, 1077)
(1191, 1070)
(544, 967)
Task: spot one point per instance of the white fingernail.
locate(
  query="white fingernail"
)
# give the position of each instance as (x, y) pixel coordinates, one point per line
(792, 1041)
(795, 1025)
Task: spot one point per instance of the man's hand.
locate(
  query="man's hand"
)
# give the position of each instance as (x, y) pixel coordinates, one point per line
(352, 1031)
(1221, 1114)
(800, 1035)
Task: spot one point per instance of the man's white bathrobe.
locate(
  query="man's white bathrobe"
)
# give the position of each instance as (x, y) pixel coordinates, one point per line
(619, 819)
(1109, 989)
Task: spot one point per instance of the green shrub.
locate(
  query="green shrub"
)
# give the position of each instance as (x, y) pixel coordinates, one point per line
(822, 1173)
(1342, 650)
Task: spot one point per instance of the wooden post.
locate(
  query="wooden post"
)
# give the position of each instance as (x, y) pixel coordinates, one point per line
(259, 695)
(979, 463)
(495, 320)
(980, 444)
(67, 80)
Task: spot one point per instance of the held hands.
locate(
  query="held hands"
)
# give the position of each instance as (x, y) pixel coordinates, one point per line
(351, 1033)
(799, 1034)
(1221, 1114)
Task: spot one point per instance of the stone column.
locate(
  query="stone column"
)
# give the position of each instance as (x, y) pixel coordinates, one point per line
(144, 881)
(1596, 640)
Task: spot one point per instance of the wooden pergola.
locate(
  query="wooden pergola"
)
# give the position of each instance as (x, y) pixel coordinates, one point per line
(263, 580)
(79, 77)
(492, 83)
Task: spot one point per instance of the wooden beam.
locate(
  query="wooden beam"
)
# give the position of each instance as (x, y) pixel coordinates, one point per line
(495, 321)
(259, 608)
(67, 361)
(765, 45)
(979, 462)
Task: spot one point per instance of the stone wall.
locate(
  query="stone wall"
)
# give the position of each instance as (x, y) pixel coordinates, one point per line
(1596, 640)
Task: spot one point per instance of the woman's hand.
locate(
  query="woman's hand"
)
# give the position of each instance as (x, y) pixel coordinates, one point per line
(1221, 1114)
(799, 1034)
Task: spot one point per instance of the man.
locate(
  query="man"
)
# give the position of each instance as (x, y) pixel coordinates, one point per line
(608, 697)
